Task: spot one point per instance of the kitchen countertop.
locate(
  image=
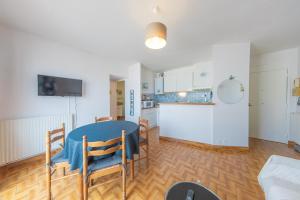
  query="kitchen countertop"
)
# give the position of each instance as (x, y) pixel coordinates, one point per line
(188, 103)
(150, 108)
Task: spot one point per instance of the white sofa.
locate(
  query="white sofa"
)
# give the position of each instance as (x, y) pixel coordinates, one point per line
(280, 178)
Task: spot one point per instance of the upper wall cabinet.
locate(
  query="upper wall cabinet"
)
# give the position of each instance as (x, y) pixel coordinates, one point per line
(179, 80)
(203, 75)
(147, 81)
(159, 85)
(185, 79)
(170, 81)
(198, 76)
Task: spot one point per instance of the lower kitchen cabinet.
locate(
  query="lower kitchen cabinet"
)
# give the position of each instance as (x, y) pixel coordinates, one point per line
(150, 114)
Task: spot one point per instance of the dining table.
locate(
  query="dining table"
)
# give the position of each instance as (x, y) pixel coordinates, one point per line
(101, 131)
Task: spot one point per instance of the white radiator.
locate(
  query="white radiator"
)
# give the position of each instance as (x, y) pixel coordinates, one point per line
(24, 138)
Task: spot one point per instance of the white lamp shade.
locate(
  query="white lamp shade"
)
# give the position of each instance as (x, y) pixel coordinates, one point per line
(156, 35)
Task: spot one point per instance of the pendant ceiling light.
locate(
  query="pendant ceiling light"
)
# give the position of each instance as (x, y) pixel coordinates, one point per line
(156, 34)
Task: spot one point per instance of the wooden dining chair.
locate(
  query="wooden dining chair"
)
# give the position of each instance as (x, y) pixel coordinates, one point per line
(103, 119)
(144, 138)
(56, 161)
(105, 166)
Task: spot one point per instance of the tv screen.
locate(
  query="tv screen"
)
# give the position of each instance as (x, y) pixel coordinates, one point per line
(57, 86)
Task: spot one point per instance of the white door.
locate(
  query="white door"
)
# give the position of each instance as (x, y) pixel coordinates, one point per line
(268, 105)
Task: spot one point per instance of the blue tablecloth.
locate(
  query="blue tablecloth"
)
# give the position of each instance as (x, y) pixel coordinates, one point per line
(102, 131)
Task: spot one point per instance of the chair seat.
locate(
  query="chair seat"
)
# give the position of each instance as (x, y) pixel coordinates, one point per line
(58, 158)
(142, 140)
(104, 163)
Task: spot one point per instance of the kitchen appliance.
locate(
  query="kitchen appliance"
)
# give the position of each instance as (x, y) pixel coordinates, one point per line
(148, 104)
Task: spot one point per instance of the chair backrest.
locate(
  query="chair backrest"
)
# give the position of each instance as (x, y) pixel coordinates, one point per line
(144, 125)
(111, 146)
(103, 119)
(54, 136)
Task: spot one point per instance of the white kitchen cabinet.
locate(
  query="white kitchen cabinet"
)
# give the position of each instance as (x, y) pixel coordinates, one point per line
(159, 85)
(203, 75)
(150, 114)
(198, 76)
(181, 121)
(184, 79)
(170, 81)
(147, 79)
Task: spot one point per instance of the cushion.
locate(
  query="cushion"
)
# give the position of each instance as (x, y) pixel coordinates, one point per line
(277, 189)
(280, 167)
(280, 178)
(104, 163)
(58, 158)
(104, 148)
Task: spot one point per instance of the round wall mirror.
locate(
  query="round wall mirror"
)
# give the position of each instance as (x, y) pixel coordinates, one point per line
(231, 91)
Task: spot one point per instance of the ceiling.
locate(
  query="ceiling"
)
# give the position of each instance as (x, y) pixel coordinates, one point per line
(115, 29)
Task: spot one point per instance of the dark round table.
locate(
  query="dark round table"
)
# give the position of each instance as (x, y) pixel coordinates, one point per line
(101, 131)
(179, 191)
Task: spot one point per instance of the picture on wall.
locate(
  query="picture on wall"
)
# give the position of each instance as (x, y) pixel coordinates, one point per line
(131, 102)
(145, 86)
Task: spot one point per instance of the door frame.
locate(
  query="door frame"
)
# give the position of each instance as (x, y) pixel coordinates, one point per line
(115, 78)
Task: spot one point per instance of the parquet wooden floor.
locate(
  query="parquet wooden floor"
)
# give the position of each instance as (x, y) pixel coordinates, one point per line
(232, 175)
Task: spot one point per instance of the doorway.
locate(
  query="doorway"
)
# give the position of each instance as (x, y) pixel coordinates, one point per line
(268, 105)
(117, 98)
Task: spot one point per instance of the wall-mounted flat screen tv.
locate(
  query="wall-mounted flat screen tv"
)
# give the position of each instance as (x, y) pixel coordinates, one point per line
(57, 86)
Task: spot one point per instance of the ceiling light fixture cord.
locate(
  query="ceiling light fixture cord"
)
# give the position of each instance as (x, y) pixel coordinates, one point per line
(155, 9)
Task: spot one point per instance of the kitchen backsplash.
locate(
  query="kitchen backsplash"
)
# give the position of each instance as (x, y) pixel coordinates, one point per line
(204, 95)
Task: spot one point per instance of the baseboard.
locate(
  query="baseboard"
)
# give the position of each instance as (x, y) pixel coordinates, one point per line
(206, 146)
(291, 144)
(28, 159)
(24, 160)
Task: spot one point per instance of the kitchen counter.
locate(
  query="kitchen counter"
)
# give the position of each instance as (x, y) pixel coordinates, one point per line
(189, 103)
(150, 114)
(150, 108)
(187, 121)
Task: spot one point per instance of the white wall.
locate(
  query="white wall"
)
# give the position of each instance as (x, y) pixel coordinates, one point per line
(231, 124)
(288, 59)
(298, 106)
(298, 62)
(32, 56)
(5, 70)
(133, 83)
